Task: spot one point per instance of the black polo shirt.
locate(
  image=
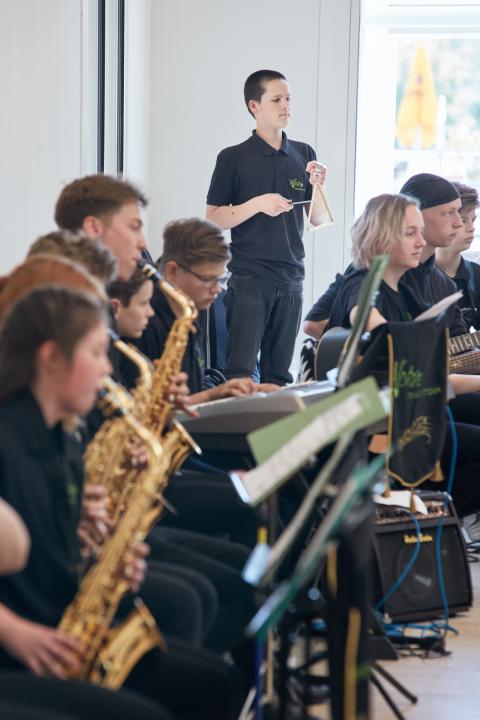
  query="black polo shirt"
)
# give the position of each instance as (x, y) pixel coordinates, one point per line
(429, 284)
(153, 342)
(41, 476)
(394, 305)
(267, 248)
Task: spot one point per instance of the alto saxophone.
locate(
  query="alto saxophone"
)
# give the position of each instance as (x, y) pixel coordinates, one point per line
(110, 461)
(160, 407)
(111, 653)
(157, 412)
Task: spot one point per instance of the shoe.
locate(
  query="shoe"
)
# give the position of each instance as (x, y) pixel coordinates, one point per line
(471, 524)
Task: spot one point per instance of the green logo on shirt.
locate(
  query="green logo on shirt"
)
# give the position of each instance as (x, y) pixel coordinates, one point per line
(296, 184)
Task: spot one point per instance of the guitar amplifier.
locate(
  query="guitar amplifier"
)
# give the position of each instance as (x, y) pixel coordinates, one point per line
(418, 597)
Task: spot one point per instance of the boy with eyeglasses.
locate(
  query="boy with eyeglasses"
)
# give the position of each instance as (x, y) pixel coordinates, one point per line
(195, 256)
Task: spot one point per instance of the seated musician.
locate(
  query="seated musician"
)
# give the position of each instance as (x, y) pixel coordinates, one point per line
(25, 697)
(393, 225)
(109, 210)
(52, 359)
(205, 564)
(195, 256)
(466, 276)
(131, 304)
(464, 273)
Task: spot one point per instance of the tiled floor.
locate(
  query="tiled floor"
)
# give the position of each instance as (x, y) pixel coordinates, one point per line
(448, 688)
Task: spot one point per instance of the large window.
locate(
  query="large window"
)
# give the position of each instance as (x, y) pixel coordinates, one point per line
(419, 94)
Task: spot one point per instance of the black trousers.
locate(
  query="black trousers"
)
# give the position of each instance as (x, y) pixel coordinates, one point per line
(25, 697)
(16, 711)
(208, 503)
(221, 562)
(183, 602)
(192, 684)
(261, 318)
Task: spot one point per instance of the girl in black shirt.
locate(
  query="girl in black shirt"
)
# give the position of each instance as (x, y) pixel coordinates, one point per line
(52, 360)
(390, 225)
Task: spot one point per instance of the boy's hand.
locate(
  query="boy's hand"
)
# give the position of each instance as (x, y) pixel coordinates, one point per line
(236, 387)
(273, 204)
(43, 650)
(268, 387)
(317, 172)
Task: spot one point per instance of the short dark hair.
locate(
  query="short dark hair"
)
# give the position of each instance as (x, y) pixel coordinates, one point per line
(468, 196)
(124, 290)
(255, 85)
(86, 251)
(97, 195)
(192, 242)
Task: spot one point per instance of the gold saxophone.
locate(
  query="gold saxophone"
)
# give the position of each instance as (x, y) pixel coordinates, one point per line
(177, 442)
(159, 409)
(111, 653)
(108, 457)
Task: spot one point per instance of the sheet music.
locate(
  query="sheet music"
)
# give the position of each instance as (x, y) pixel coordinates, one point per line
(440, 306)
(260, 482)
(288, 536)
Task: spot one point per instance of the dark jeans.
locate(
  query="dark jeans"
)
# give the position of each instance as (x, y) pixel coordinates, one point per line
(261, 318)
(208, 503)
(221, 562)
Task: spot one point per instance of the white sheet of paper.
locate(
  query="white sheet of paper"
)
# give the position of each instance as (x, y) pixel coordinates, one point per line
(263, 480)
(440, 306)
(402, 498)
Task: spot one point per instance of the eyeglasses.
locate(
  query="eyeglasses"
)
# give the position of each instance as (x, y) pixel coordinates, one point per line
(209, 282)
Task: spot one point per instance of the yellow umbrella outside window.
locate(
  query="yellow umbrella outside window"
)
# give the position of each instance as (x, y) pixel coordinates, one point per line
(417, 114)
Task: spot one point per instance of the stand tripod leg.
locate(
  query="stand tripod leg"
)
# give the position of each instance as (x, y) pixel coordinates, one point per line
(375, 681)
(393, 681)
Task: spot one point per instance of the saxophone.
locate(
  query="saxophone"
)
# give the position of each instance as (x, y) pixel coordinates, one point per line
(160, 408)
(111, 653)
(108, 456)
(177, 442)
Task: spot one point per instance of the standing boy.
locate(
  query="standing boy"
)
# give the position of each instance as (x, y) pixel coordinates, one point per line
(252, 191)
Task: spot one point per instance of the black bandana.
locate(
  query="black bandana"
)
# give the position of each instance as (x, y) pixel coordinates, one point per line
(430, 190)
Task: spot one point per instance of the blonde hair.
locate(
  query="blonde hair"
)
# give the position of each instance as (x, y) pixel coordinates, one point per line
(379, 227)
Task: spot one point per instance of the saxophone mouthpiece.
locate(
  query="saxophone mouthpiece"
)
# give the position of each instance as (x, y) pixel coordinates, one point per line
(149, 270)
(113, 335)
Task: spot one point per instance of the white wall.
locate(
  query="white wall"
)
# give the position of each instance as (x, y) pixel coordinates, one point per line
(40, 122)
(201, 54)
(186, 64)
